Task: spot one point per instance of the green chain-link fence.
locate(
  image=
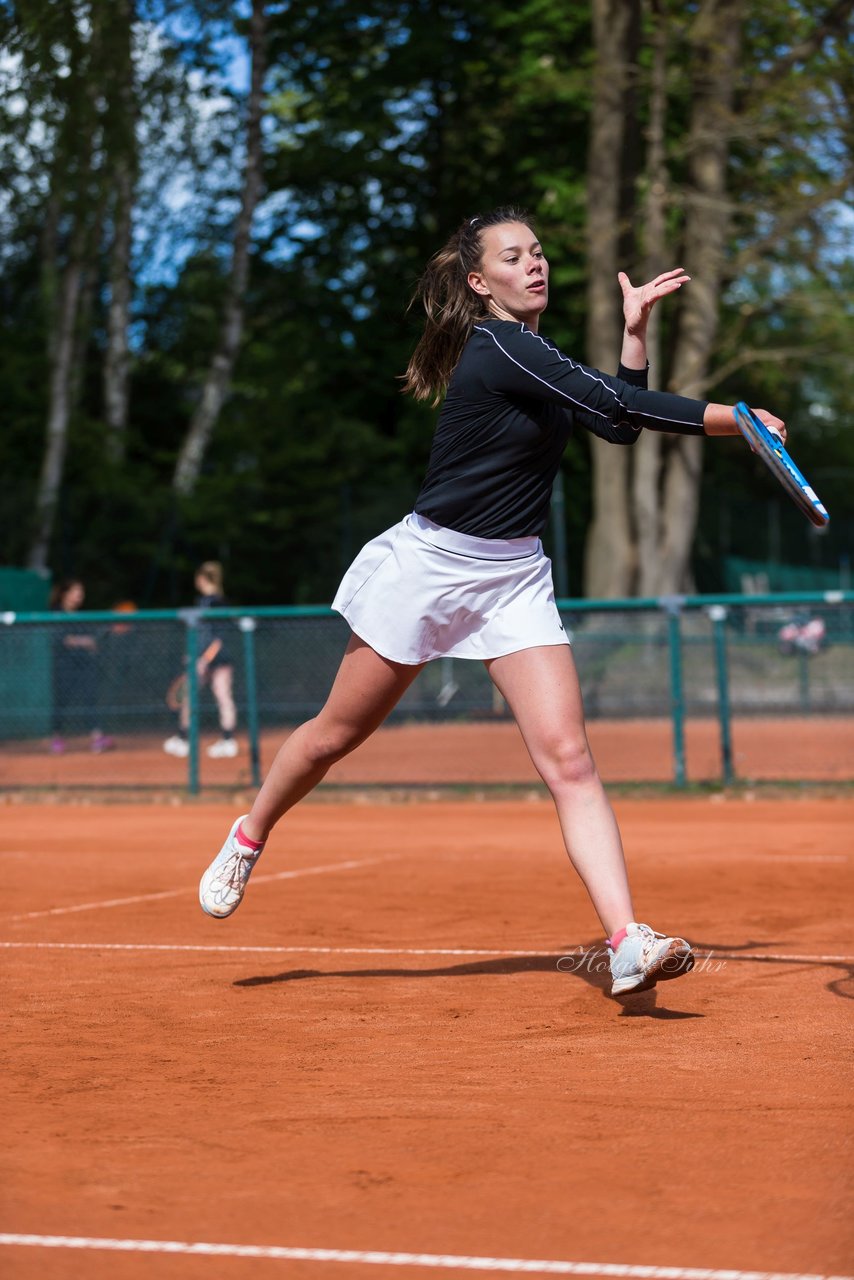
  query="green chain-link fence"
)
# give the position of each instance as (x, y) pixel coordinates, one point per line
(700, 689)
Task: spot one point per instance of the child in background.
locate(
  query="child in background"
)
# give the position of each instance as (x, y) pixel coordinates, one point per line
(214, 667)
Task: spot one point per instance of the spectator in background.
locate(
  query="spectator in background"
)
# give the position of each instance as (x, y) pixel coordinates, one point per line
(214, 666)
(75, 672)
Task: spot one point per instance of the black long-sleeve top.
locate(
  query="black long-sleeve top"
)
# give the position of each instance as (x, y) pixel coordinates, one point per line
(512, 404)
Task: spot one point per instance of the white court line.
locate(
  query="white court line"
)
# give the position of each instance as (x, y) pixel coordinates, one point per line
(378, 1258)
(179, 893)
(294, 951)
(777, 856)
(811, 857)
(496, 952)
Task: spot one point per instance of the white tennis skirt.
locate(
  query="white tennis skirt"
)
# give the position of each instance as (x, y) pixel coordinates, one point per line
(420, 591)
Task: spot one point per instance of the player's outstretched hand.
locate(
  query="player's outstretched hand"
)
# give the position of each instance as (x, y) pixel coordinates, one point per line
(639, 302)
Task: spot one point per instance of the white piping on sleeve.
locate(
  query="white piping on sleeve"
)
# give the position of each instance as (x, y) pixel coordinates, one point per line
(587, 374)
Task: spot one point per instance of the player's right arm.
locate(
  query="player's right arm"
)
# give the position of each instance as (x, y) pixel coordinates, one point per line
(718, 420)
(523, 363)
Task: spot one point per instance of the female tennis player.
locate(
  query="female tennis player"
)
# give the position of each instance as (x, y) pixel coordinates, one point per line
(464, 575)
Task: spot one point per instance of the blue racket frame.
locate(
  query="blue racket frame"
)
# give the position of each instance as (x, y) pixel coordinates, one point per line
(769, 447)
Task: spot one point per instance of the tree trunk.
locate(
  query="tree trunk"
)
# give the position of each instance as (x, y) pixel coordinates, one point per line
(664, 475)
(70, 331)
(77, 196)
(82, 327)
(216, 385)
(646, 474)
(49, 268)
(62, 345)
(117, 359)
(609, 554)
(122, 155)
(716, 39)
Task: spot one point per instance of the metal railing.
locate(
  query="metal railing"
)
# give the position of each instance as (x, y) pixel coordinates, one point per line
(726, 659)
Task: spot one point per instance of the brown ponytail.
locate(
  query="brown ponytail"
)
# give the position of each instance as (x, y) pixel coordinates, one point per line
(451, 305)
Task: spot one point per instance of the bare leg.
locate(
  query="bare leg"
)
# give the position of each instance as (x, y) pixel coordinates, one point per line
(367, 687)
(542, 690)
(222, 684)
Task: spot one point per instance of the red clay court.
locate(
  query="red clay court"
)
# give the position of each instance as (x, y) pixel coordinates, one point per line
(376, 1066)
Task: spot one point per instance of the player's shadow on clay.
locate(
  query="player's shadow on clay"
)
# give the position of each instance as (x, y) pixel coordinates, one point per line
(588, 962)
(711, 953)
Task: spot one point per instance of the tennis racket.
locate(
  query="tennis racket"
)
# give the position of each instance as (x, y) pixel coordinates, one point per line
(769, 447)
(176, 694)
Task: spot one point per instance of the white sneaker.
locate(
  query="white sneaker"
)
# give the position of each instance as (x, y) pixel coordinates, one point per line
(176, 746)
(645, 957)
(223, 748)
(222, 885)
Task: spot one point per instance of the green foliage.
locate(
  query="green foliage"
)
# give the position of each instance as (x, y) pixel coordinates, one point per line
(387, 122)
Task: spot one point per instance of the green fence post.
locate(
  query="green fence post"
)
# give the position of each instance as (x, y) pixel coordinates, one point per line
(558, 514)
(804, 679)
(191, 619)
(247, 626)
(718, 615)
(449, 687)
(673, 606)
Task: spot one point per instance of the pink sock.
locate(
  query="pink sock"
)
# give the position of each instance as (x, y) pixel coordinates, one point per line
(254, 845)
(614, 942)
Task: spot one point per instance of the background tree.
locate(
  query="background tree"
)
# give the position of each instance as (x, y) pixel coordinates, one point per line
(216, 384)
(385, 123)
(121, 125)
(61, 52)
(609, 559)
(756, 89)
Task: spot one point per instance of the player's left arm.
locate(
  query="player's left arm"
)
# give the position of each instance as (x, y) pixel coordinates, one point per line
(638, 302)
